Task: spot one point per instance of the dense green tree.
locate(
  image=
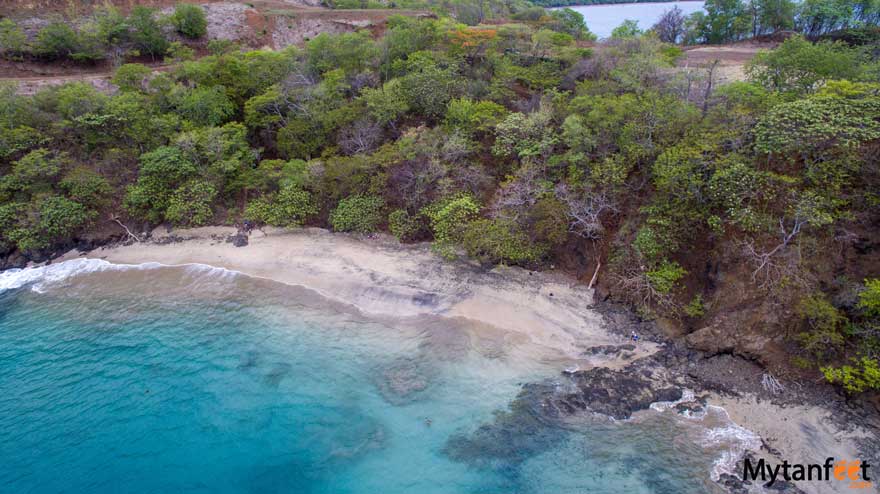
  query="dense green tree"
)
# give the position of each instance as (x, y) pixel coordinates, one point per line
(627, 29)
(13, 41)
(724, 21)
(131, 77)
(189, 20)
(190, 204)
(56, 40)
(350, 52)
(161, 172)
(146, 31)
(290, 207)
(205, 105)
(799, 67)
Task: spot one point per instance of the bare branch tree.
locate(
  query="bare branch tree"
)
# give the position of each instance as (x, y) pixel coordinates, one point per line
(517, 196)
(710, 83)
(585, 211)
(671, 26)
(779, 263)
(638, 288)
(360, 137)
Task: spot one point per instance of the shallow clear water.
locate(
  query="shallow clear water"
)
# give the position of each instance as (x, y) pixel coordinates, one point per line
(199, 380)
(602, 19)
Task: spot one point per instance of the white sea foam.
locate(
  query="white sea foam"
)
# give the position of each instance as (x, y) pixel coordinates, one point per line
(735, 438)
(687, 395)
(41, 277)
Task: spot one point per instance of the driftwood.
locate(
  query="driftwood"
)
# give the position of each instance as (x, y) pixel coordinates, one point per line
(772, 384)
(595, 273)
(115, 219)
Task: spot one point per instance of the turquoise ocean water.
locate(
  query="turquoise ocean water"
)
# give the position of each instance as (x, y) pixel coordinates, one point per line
(195, 379)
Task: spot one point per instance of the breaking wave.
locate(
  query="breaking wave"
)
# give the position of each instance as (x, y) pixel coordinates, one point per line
(40, 278)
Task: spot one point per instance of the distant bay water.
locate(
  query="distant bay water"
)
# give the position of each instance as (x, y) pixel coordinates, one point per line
(602, 19)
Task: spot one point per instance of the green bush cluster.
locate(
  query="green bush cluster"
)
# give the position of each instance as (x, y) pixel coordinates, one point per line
(290, 207)
(189, 20)
(360, 214)
(494, 241)
(403, 225)
(862, 376)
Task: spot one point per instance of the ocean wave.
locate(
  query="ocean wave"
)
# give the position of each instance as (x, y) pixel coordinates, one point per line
(738, 440)
(734, 438)
(687, 396)
(39, 278)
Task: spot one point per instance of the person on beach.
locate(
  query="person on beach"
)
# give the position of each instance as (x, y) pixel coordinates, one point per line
(635, 337)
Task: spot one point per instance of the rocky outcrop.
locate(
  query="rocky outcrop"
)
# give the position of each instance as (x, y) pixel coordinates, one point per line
(530, 425)
(616, 393)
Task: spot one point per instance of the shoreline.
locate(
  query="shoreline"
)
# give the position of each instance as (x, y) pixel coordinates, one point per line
(380, 277)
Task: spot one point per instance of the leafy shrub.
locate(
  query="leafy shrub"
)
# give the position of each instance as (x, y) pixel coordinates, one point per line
(665, 276)
(498, 240)
(56, 40)
(86, 187)
(191, 203)
(449, 216)
(161, 171)
(403, 225)
(131, 77)
(179, 52)
(289, 208)
(862, 376)
(798, 66)
(549, 220)
(448, 219)
(695, 307)
(146, 31)
(818, 123)
(825, 325)
(653, 243)
(37, 225)
(111, 25)
(360, 214)
(189, 20)
(472, 117)
(627, 29)
(869, 298)
(206, 106)
(34, 172)
(13, 41)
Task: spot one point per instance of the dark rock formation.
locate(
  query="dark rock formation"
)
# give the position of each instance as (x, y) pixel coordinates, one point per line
(532, 422)
(616, 393)
(238, 240)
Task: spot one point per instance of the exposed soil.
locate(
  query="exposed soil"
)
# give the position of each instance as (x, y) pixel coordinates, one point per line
(731, 58)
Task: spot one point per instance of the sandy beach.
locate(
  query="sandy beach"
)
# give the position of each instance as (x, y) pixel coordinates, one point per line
(379, 276)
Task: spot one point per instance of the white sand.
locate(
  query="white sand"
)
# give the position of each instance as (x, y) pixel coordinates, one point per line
(382, 277)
